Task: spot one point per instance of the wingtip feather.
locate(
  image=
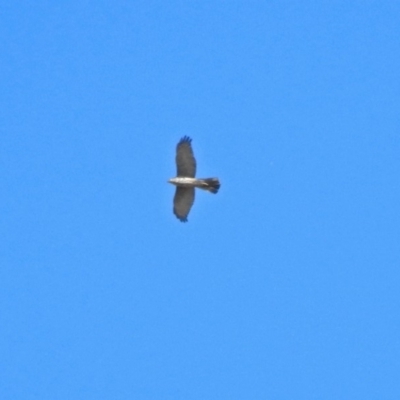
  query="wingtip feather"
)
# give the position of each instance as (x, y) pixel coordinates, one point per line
(185, 139)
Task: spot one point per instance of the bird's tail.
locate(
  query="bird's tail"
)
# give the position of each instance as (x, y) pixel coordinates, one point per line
(210, 184)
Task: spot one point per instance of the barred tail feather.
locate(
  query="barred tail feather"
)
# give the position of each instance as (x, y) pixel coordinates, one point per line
(210, 184)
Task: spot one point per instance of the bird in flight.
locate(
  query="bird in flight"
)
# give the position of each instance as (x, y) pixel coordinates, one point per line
(185, 180)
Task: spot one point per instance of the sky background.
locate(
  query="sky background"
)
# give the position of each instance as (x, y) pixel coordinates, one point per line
(284, 285)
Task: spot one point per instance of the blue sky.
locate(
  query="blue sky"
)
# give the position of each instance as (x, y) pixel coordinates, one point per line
(284, 285)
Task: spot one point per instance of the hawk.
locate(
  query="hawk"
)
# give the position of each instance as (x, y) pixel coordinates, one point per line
(185, 180)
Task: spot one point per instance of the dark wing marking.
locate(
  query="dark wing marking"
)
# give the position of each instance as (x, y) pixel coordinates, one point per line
(183, 201)
(185, 161)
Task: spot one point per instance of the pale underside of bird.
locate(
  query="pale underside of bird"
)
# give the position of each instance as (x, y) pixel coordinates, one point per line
(185, 180)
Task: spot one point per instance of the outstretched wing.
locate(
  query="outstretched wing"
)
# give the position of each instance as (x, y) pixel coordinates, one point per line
(183, 201)
(185, 161)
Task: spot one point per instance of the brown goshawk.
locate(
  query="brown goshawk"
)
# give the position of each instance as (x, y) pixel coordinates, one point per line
(185, 180)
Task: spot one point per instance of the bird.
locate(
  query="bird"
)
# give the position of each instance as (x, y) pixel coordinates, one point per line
(185, 180)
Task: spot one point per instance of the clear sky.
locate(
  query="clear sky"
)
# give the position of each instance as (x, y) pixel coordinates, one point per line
(284, 285)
